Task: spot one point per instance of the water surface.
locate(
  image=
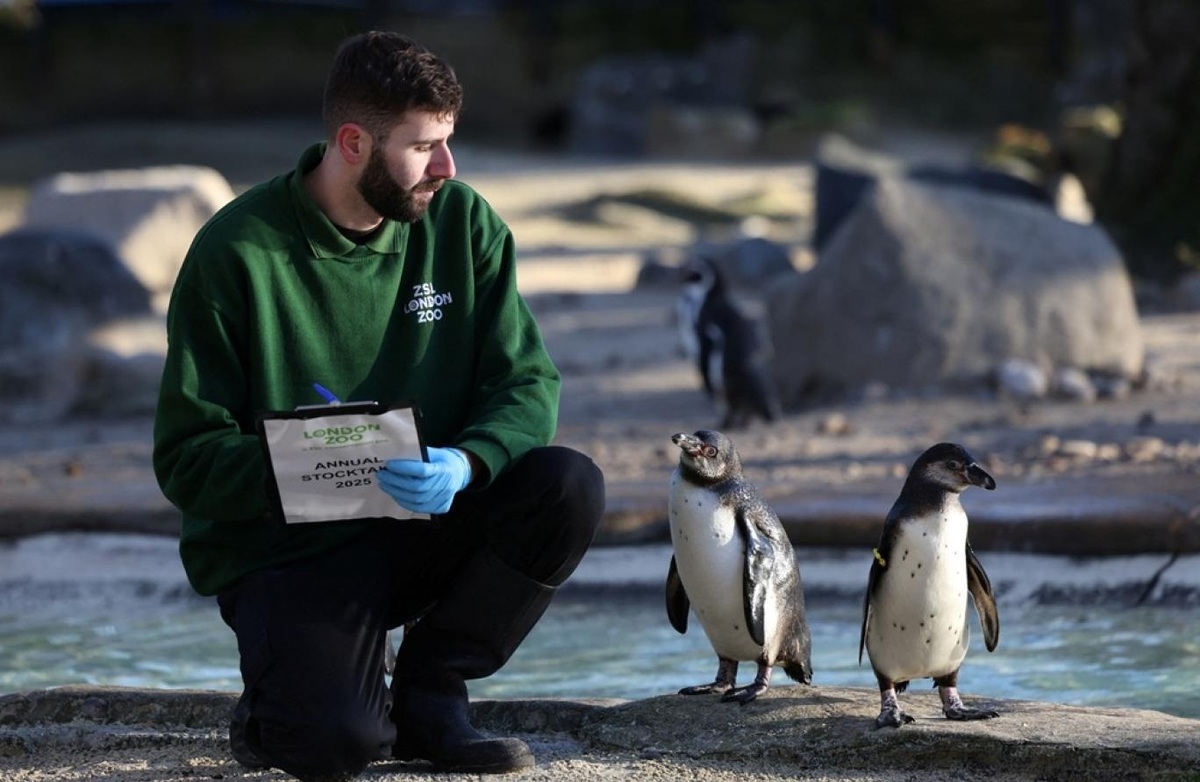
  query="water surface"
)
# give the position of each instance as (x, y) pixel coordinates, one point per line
(619, 644)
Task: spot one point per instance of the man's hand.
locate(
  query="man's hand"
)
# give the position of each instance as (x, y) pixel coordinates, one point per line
(426, 487)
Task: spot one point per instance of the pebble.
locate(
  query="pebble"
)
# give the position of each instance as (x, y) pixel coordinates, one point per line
(835, 425)
(1074, 385)
(1048, 444)
(1078, 449)
(1144, 449)
(1021, 379)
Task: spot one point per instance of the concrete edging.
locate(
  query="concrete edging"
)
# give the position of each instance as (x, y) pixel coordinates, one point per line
(793, 729)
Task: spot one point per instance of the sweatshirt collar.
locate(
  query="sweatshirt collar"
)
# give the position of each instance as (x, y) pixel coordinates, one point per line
(323, 237)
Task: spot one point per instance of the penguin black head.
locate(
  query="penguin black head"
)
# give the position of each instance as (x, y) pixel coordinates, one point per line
(949, 467)
(707, 456)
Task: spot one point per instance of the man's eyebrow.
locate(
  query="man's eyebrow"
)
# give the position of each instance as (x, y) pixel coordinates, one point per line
(418, 142)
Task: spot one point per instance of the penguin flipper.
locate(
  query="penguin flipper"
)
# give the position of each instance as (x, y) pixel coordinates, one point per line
(985, 600)
(872, 580)
(878, 565)
(678, 603)
(756, 575)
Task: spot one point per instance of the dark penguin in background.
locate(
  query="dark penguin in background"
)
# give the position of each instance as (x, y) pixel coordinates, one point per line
(915, 620)
(732, 351)
(735, 567)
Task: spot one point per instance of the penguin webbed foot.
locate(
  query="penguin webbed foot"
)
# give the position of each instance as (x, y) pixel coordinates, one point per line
(726, 677)
(963, 713)
(954, 708)
(707, 689)
(743, 695)
(890, 714)
(892, 718)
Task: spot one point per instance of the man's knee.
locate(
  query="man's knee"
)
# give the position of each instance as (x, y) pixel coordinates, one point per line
(575, 487)
(558, 502)
(572, 477)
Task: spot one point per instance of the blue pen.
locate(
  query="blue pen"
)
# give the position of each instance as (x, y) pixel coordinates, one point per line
(326, 394)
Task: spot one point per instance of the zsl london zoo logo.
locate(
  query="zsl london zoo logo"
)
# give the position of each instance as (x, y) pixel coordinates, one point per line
(427, 303)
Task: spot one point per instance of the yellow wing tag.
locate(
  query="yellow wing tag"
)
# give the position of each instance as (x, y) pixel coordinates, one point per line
(879, 557)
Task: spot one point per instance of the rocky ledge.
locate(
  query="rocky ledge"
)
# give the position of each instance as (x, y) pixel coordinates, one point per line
(104, 733)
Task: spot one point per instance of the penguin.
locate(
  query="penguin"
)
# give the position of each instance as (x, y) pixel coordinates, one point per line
(915, 622)
(734, 566)
(732, 351)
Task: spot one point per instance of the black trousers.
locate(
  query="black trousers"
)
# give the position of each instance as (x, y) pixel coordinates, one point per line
(311, 634)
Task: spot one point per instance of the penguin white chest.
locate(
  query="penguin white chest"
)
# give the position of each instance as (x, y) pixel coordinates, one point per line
(917, 623)
(710, 558)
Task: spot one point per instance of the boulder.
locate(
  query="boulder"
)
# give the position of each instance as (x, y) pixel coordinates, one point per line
(925, 283)
(58, 287)
(845, 173)
(149, 216)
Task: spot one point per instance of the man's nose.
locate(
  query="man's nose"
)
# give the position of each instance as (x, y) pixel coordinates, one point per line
(441, 164)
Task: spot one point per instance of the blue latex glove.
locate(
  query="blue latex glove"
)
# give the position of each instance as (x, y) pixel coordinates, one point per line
(426, 487)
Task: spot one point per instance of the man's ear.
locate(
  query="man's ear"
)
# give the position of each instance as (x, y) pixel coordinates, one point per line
(353, 143)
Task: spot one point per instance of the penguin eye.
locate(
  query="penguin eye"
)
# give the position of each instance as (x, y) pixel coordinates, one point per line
(954, 464)
(709, 451)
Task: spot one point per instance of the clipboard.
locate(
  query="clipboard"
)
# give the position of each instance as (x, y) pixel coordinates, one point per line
(322, 459)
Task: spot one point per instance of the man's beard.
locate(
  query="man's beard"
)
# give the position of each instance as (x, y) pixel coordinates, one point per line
(387, 198)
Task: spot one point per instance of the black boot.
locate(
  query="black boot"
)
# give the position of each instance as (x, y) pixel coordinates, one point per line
(470, 633)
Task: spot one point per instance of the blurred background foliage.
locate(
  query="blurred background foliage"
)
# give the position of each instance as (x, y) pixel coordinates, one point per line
(1108, 89)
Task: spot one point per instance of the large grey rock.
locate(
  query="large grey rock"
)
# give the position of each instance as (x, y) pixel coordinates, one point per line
(924, 284)
(846, 173)
(56, 289)
(148, 215)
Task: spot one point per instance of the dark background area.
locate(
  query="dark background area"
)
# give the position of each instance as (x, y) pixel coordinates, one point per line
(929, 60)
(799, 67)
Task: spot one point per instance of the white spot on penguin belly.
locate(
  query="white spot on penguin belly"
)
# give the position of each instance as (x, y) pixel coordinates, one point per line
(917, 627)
(710, 559)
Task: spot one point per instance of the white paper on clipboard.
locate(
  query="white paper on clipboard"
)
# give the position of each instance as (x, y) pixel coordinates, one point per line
(324, 461)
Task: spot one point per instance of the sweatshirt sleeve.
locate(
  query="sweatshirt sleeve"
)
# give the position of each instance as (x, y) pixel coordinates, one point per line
(207, 458)
(515, 403)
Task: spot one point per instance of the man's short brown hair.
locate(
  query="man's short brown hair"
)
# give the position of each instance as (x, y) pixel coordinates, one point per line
(378, 76)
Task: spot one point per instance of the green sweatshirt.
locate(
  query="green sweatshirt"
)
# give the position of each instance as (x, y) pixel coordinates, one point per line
(272, 298)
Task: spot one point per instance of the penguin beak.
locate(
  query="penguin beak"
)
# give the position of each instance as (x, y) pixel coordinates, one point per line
(979, 477)
(689, 444)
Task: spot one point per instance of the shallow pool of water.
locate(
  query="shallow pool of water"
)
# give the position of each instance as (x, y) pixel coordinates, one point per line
(618, 644)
